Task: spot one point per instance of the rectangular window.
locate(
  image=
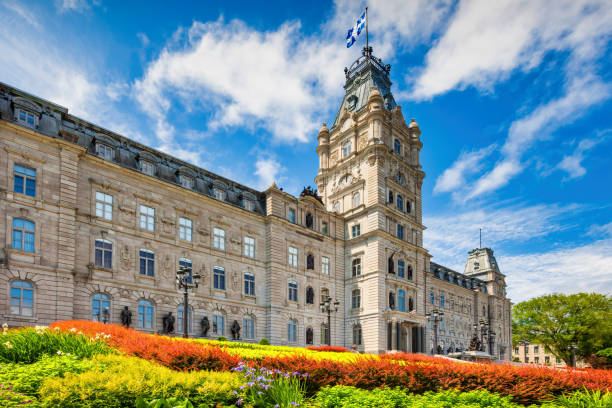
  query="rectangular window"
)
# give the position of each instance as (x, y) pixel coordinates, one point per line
(324, 228)
(187, 181)
(26, 118)
(186, 266)
(145, 314)
(400, 231)
(536, 349)
(537, 360)
(248, 327)
(293, 292)
(249, 284)
(292, 331)
(248, 205)
(400, 269)
(103, 254)
(355, 230)
(219, 278)
(249, 247)
(292, 215)
(325, 265)
(218, 325)
(219, 239)
(147, 168)
(24, 180)
(185, 229)
(105, 151)
(346, 149)
(356, 299)
(441, 300)
(147, 218)
(23, 235)
(147, 263)
(104, 205)
(293, 256)
(219, 194)
(547, 360)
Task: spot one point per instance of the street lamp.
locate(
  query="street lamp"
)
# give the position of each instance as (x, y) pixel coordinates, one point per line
(436, 316)
(326, 307)
(185, 280)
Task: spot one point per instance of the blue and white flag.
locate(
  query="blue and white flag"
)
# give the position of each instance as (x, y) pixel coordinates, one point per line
(351, 37)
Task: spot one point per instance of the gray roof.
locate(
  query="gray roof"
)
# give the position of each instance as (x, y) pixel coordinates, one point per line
(443, 273)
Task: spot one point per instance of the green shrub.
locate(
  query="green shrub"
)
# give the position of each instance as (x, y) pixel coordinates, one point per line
(264, 342)
(10, 398)
(28, 345)
(351, 397)
(117, 381)
(582, 399)
(222, 338)
(607, 353)
(28, 378)
(163, 403)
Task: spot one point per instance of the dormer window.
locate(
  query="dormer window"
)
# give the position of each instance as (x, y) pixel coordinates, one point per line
(26, 118)
(346, 149)
(186, 181)
(104, 151)
(147, 167)
(248, 204)
(219, 194)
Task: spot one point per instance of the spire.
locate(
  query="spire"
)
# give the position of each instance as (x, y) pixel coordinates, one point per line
(364, 74)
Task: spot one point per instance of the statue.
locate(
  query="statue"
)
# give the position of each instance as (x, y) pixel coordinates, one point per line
(126, 317)
(310, 261)
(205, 326)
(391, 301)
(475, 344)
(310, 296)
(309, 335)
(309, 221)
(235, 330)
(168, 323)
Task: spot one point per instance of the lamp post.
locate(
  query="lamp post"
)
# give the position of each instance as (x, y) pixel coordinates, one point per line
(436, 316)
(327, 306)
(185, 281)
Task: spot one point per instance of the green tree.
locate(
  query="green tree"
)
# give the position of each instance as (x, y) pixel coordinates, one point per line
(559, 322)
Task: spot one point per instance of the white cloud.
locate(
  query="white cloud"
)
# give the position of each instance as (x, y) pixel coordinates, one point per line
(78, 6)
(25, 13)
(572, 164)
(467, 163)
(269, 170)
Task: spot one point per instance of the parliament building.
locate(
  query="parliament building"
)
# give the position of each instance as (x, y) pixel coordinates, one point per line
(95, 222)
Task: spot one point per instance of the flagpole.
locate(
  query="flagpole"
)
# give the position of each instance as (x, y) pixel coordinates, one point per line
(367, 44)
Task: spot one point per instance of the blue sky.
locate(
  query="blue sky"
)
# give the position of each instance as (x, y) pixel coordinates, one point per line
(514, 100)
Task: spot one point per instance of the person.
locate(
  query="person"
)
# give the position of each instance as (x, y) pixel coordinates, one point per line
(126, 317)
(354, 349)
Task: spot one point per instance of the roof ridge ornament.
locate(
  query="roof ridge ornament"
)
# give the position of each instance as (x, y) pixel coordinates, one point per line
(367, 58)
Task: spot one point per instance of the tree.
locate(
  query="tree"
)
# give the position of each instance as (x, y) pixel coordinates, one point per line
(582, 321)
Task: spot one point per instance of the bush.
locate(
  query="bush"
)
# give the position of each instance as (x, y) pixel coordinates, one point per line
(28, 345)
(582, 399)
(117, 381)
(163, 403)
(264, 342)
(11, 398)
(222, 338)
(270, 388)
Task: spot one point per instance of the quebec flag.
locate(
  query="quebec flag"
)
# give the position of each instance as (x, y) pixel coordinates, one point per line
(351, 37)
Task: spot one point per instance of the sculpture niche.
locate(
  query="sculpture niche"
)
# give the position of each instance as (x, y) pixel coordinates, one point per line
(235, 330)
(168, 323)
(309, 335)
(126, 317)
(205, 326)
(391, 301)
(310, 296)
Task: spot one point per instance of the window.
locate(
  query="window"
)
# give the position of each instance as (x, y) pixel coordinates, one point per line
(179, 319)
(219, 193)
(309, 335)
(391, 265)
(309, 295)
(356, 299)
(292, 331)
(397, 146)
(400, 179)
(536, 349)
(104, 151)
(558, 361)
(147, 263)
(400, 231)
(100, 308)
(410, 304)
(390, 199)
(103, 254)
(355, 230)
(400, 269)
(292, 215)
(23, 235)
(537, 360)
(147, 218)
(410, 277)
(218, 324)
(24, 180)
(408, 206)
(219, 239)
(357, 339)
(526, 359)
(104, 205)
(219, 278)
(324, 228)
(293, 256)
(401, 300)
(310, 261)
(356, 266)
(249, 284)
(145, 314)
(147, 167)
(248, 204)
(324, 294)
(185, 265)
(185, 229)
(441, 300)
(249, 247)
(309, 221)
(346, 149)
(187, 181)
(431, 298)
(26, 118)
(400, 203)
(22, 298)
(547, 360)
(248, 327)
(356, 200)
(325, 265)
(293, 291)
(324, 334)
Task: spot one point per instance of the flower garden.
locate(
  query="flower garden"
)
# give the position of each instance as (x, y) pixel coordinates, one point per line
(87, 364)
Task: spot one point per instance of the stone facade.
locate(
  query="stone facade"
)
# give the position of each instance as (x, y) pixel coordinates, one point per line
(538, 354)
(109, 222)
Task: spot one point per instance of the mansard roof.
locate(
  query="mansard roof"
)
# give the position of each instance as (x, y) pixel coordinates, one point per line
(446, 274)
(55, 121)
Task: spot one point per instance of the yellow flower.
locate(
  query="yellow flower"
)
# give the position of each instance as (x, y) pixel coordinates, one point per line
(8, 344)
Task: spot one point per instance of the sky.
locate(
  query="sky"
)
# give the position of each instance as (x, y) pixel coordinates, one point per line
(513, 98)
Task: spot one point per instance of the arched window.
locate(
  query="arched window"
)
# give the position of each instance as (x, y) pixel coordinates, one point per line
(400, 202)
(357, 338)
(309, 295)
(103, 254)
(248, 327)
(218, 324)
(400, 269)
(146, 314)
(293, 291)
(356, 266)
(100, 308)
(390, 197)
(292, 331)
(325, 334)
(310, 261)
(23, 235)
(410, 304)
(401, 300)
(484, 310)
(22, 298)
(410, 277)
(391, 265)
(356, 299)
(179, 319)
(356, 200)
(397, 146)
(309, 335)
